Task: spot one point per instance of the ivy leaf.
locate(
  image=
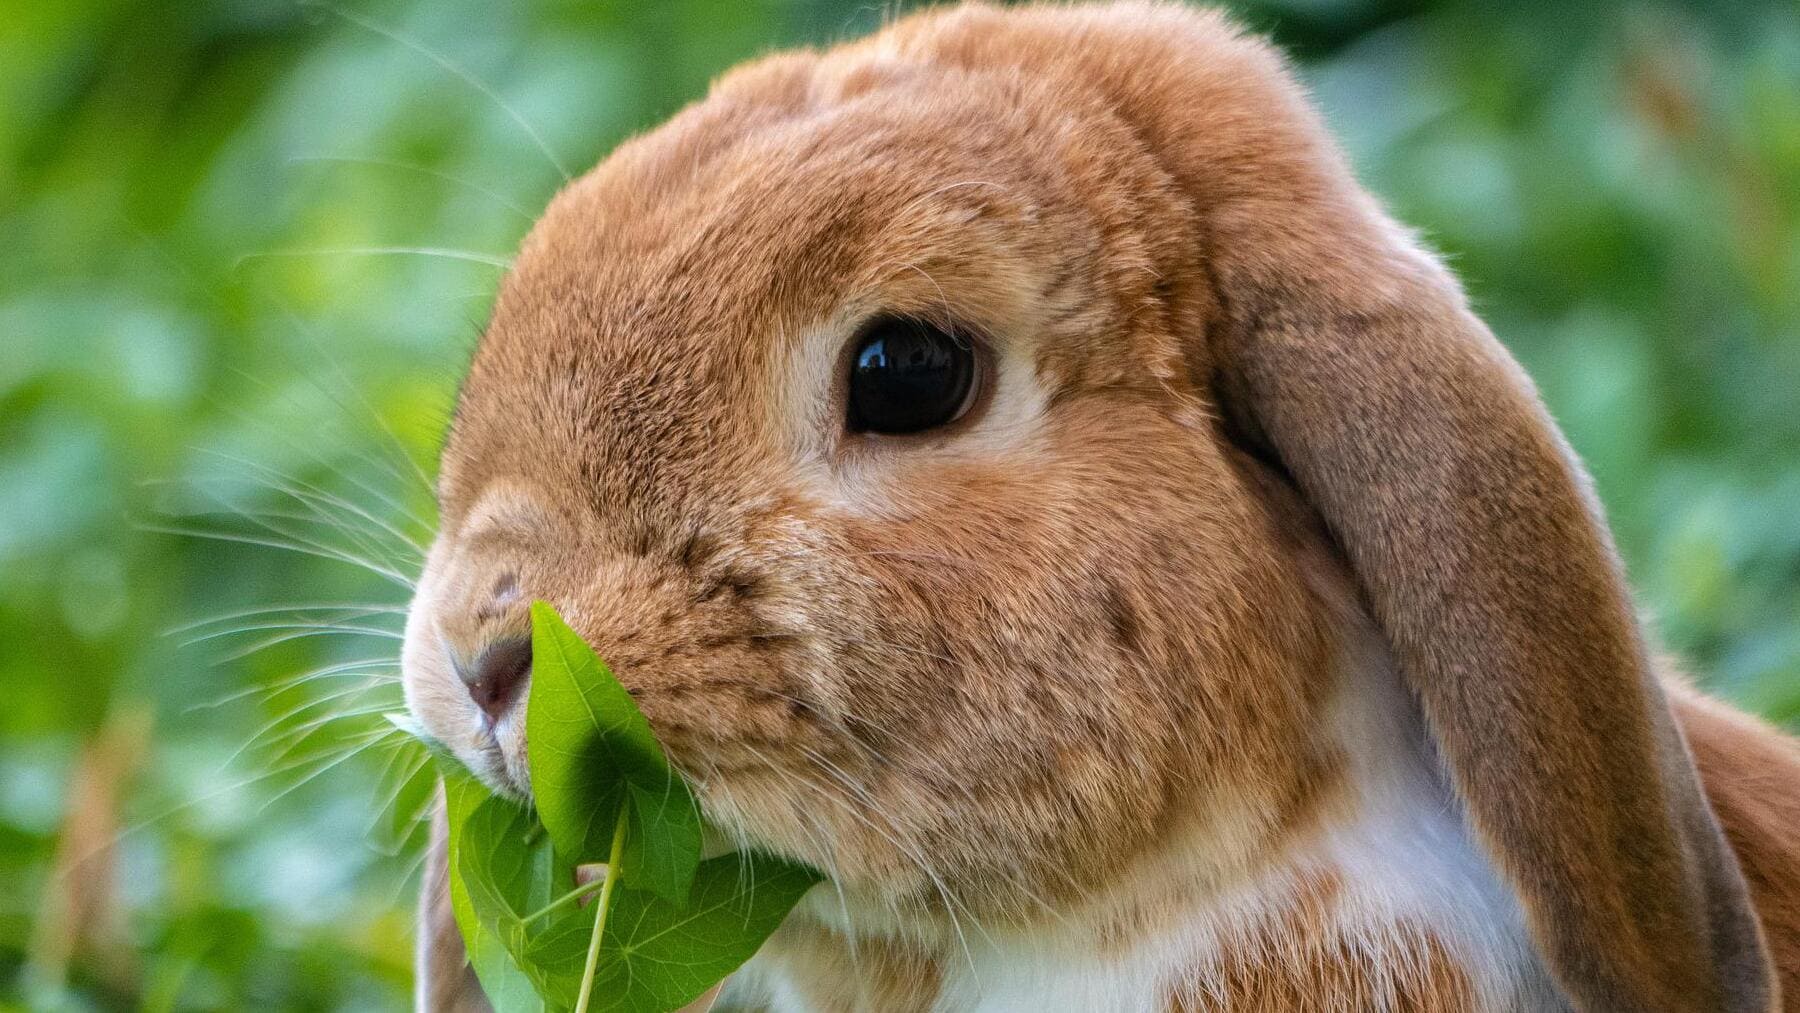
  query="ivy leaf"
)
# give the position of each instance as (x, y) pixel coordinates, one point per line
(591, 753)
(657, 955)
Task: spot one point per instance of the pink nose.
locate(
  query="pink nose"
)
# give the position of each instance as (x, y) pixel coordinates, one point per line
(497, 674)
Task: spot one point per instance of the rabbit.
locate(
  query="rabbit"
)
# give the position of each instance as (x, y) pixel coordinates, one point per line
(1019, 472)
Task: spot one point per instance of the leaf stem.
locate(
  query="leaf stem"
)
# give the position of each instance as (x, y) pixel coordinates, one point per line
(573, 895)
(605, 904)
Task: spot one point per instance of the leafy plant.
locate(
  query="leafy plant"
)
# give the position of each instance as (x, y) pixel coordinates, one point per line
(667, 925)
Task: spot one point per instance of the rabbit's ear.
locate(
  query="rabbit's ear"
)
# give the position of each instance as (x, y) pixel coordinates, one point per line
(1352, 356)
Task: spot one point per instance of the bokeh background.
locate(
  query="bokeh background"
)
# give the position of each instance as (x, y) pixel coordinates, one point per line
(245, 248)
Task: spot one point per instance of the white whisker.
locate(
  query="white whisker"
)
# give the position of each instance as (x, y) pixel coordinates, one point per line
(423, 170)
(375, 738)
(346, 610)
(256, 738)
(443, 253)
(269, 520)
(229, 536)
(277, 639)
(461, 74)
(389, 733)
(397, 445)
(341, 670)
(400, 466)
(312, 493)
(321, 628)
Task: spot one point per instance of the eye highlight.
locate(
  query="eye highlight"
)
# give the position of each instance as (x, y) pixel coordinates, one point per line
(908, 375)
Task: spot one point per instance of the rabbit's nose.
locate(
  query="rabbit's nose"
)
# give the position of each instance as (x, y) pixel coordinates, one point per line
(496, 674)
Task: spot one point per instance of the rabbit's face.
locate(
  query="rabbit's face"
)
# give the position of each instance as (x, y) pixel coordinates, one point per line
(967, 612)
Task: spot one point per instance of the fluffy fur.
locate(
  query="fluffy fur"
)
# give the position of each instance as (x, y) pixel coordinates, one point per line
(1254, 644)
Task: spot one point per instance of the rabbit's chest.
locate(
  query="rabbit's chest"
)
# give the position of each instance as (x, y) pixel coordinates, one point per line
(1396, 913)
(1380, 902)
(1297, 955)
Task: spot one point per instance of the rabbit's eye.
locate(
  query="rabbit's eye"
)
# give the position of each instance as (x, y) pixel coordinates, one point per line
(907, 376)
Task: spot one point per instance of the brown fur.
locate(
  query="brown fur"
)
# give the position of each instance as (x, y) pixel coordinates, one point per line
(840, 974)
(1021, 647)
(1750, 771)
(1296, 963)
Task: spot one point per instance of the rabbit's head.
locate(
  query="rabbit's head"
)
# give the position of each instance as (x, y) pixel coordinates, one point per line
(931, 434)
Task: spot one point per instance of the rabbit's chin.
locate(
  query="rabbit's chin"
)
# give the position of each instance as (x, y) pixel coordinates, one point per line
(501, 760)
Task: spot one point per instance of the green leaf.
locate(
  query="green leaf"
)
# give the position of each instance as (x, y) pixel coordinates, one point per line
(657, 955)
(662, 853)
(507, 869)
(591, 752)
(508, 988)
(675, 925)
(408, 785)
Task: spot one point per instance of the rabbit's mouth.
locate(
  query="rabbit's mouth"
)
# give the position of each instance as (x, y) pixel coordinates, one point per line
(501, 770)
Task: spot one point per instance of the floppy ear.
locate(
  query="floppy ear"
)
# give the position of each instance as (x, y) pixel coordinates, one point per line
(1352, 354)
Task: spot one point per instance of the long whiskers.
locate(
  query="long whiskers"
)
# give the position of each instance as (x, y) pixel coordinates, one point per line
(460, 73)
(298, 628)
(277, 543)
(355, 746)
(338, 610)
(359, 745)
(331, 506)
(371, 542)
(294, 736)
(422, 170)
(398, 463)
(374, 669)
(440, 252)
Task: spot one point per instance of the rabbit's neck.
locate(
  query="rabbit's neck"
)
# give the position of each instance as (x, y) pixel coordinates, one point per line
(1384, 903)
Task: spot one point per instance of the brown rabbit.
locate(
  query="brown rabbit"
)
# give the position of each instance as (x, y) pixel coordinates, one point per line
(1019, 472)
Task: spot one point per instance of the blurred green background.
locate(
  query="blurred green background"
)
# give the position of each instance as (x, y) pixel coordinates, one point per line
(207, 325)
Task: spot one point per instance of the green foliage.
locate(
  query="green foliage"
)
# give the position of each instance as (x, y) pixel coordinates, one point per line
(502, 869)
(593, 755)
(185, 343)
(660, 956)
(673, 927)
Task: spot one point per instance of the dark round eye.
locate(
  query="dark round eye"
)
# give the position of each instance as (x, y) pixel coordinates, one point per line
(907, 376)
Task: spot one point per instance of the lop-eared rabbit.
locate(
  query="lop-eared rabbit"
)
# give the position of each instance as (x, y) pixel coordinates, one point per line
(1019, 472)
